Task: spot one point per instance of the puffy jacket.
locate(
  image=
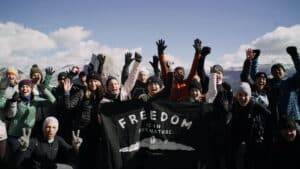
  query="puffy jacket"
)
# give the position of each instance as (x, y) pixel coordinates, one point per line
(45, 155)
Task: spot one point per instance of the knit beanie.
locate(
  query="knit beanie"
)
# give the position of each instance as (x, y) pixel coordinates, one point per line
(195, 84)
(260, 74)
(35, 69)
(217, 68)
(12, 70)
(244, 88)
(154, 79)
(93, 76)
(27, 82)
(62, 76)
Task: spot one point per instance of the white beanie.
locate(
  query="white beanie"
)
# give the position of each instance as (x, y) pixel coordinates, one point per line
(244, 88)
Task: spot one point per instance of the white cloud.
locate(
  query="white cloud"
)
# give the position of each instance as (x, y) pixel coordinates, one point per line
(17, 40)
(21, 47)
(272, 45)
(70, 37)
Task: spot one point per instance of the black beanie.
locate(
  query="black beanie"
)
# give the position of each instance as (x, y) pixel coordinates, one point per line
(260, 74)
(93, 75)
(154, 79)
(195, 84)
(62, 76)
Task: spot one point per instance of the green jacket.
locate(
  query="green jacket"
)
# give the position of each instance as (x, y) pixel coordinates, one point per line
(26, 113)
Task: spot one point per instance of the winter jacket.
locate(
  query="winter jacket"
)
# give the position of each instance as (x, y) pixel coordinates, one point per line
(67, 106)
(179, 90)
(6, 92)
(258, 95)
(44, 155)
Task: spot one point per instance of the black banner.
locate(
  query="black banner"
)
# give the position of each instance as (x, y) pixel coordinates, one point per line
(157, 134)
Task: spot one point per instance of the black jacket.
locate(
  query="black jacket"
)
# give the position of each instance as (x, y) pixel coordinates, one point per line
(43, 155)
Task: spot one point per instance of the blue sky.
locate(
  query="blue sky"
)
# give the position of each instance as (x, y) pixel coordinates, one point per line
(134, 24)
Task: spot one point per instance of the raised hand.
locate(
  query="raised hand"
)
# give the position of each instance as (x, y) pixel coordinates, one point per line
(101, 59)
(256, 53)
(67, 85)
(137, 57)
(24, 139)
(292, 51)
(128, 58)
(154, 63)
(205, 51)
(249, 54)
(161, 47)
(197, 45)
(76, 140)
(49, 70)
(15, 97)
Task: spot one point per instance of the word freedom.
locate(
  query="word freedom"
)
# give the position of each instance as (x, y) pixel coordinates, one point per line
(155, 116)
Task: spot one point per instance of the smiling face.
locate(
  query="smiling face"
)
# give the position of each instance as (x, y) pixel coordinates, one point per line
(153, 88)
(260, 82)
(36, 78)
(93, 84)
(243, 98)
(12, 78)
(25, 90)
(113, 87)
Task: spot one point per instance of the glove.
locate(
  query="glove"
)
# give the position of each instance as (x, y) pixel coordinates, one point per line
(205, 51)
(101, 59)
(15, 97)
(49, 71)
(292, 51)
(76, 140)
(24, 139)
(161, 47)
(137, 57)
(197, 46)
(154, 64)
(169, 65)
(128, 58)
(256, 53)
(73, 72)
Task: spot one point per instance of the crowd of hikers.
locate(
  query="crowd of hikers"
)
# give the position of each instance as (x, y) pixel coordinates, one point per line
(255, 127)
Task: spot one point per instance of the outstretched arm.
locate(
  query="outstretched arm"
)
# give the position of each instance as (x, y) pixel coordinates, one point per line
(204, 79)
(162, 58)
(193, 71)
(254, 65)
(245, 74)
(130, 82)
(125, 70)
(292, 51)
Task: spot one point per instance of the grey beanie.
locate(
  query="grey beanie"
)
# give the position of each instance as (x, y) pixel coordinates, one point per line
(245, 88)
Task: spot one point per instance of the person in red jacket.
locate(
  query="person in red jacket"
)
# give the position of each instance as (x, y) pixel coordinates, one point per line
(180, 86)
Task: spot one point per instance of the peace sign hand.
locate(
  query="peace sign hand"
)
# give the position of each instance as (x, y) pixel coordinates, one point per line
(76, 140)
(24, 139)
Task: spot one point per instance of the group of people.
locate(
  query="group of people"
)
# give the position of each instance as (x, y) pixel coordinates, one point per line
(48, 127)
